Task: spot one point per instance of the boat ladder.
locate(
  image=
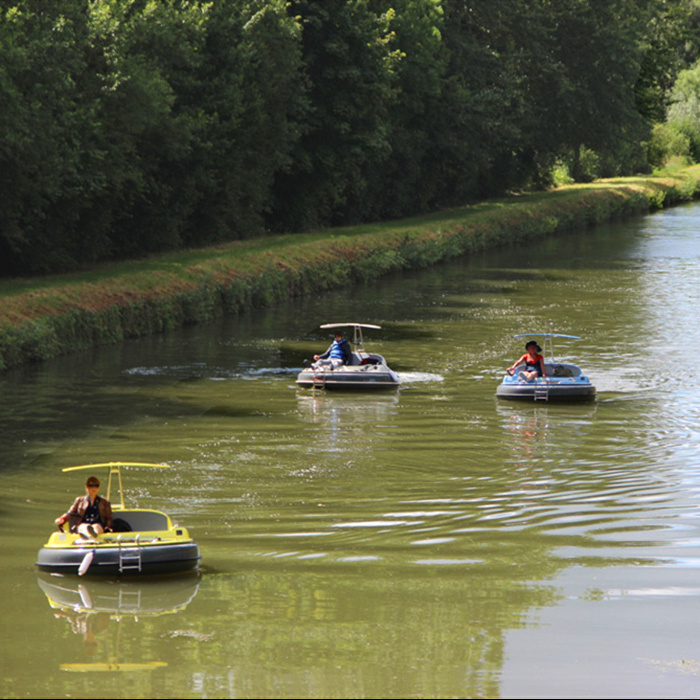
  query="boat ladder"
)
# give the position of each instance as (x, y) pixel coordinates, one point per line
(129, 557)
(319, 380)
(542, 391)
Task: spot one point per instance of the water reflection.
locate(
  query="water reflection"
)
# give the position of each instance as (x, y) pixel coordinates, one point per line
(525, 433)
(118, 598)
(345, 423)
(352, 629)
(531, 429)
(96, 612)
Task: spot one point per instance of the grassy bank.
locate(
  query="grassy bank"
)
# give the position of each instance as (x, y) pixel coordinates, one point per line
(45, 317)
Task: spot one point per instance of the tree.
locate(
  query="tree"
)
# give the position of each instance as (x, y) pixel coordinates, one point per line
(348, 60)
(49, 158)
(408, 181)
(251, 92)
(671, 43)
(684, 110)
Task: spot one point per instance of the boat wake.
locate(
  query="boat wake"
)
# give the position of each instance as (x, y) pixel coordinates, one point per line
(216, 374)
(419, 377)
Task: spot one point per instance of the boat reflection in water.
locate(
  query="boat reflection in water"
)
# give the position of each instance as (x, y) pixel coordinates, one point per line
(94, 606)
(530, 430)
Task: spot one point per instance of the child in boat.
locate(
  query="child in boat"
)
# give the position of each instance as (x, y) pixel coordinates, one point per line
(92, 512)
(533, 361)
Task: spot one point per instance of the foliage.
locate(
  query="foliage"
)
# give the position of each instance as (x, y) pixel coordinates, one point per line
(251, 92)
(667, 142)
(348, 63)
(49, 151)
(670, 44)
(135, 126)
(684, 111)
(411, 179)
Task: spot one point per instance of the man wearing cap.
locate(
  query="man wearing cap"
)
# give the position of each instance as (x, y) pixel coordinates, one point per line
(339, 353)
(92, 513)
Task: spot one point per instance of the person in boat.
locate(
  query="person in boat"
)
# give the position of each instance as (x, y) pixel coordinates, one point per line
(339, 353)
(533, 361)
(90, 515)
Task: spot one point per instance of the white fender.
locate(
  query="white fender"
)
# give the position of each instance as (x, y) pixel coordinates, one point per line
(85, 564)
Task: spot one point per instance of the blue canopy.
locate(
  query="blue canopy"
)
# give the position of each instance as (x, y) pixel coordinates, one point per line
(548, 335)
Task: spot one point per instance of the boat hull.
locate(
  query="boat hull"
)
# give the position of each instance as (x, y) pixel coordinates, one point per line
(572, 391)
(109, 560)
(362, 378)
(146, 542)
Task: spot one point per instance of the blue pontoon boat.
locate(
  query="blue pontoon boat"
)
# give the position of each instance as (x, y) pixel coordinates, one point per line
(562, 381)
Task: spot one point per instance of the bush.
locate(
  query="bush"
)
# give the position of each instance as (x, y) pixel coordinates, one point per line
(667, 142)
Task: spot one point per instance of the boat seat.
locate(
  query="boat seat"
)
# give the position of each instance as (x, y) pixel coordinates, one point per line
(143, 521)
(559, 370)
(365, 358)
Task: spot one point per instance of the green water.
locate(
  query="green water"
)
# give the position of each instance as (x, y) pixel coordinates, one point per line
(430, 542)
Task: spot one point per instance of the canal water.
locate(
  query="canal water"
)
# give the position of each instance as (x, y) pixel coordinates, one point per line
(432, 542)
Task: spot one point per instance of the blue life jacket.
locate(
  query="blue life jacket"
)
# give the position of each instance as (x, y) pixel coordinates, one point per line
(337, 349)
(340, 350)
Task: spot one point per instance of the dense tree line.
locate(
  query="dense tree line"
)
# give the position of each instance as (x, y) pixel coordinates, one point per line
(134, 126)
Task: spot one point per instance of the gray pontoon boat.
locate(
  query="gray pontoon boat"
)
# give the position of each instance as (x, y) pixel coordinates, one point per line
(365, 371)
